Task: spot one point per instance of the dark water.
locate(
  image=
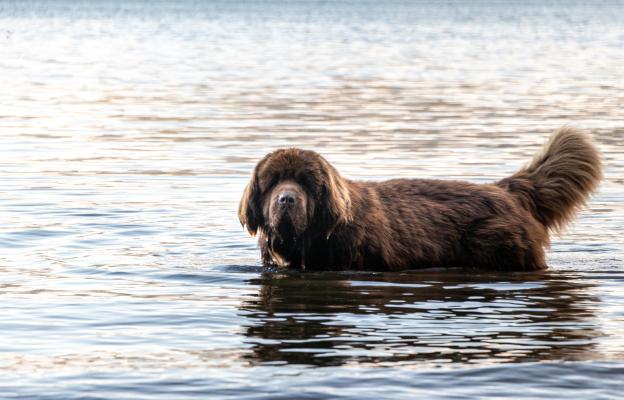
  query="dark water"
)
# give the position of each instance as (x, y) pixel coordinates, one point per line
(128, 131)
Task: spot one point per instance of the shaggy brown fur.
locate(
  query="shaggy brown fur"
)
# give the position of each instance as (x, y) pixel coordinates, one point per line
(308, 216)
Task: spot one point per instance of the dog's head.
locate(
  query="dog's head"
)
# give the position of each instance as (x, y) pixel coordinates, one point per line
(294, 195)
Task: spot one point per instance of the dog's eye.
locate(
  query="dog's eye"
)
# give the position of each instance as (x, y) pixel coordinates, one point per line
(308, 184)
(268, 182)
(302, 179)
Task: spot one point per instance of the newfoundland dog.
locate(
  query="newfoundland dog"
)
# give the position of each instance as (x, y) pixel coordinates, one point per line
(308, 216)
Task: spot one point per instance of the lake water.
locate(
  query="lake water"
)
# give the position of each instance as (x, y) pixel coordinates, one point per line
(128, 130)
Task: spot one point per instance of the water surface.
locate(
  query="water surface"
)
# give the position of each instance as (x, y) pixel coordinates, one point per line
(128, 131)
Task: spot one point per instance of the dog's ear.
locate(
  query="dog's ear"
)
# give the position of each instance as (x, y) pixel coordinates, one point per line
(336, 199)
(249, 208)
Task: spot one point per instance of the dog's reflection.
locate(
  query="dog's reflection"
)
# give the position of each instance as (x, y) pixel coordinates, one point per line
(427, 317)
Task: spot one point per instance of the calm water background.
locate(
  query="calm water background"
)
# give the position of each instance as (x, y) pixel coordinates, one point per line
(128, 130)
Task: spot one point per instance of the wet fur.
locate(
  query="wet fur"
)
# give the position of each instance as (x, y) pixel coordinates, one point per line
(418, 223)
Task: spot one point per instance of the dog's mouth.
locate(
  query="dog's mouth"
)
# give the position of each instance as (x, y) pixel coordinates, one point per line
(286, 242)
(288, 225)
(285, 233)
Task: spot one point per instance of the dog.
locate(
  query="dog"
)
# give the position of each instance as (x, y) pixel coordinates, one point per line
(308, 216)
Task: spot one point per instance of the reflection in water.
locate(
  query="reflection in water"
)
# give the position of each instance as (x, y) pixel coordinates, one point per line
(419, 318)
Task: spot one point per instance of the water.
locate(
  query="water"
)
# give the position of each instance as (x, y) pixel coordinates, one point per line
(128, 131)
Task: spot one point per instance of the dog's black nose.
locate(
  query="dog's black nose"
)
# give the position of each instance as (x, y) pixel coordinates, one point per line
(286, 198)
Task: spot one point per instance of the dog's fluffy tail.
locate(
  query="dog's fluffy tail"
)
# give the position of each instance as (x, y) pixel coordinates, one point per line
(559, 180)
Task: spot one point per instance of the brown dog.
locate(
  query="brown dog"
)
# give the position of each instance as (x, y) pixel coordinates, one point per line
(308, 216)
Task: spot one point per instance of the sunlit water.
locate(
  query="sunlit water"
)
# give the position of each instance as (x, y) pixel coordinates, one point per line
(128, 131)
